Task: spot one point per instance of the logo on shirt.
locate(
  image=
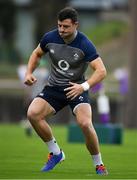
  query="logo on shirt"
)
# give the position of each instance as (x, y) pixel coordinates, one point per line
(76, 56)
(52, 51)
(64, 65)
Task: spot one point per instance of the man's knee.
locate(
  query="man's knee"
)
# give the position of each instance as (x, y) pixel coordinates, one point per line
(32, 115)
(84, 123)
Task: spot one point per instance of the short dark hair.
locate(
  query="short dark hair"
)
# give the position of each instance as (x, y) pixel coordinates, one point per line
(68, 13)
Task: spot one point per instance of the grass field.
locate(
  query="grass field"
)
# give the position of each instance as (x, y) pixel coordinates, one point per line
(22, 157)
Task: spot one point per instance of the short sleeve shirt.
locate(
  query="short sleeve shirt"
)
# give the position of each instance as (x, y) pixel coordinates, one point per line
(68, 61)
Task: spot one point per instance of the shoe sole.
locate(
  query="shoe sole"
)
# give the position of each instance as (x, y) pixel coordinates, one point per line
(63, 157)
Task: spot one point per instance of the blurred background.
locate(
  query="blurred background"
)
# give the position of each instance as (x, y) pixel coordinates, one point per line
(112, 26)
(109, 24)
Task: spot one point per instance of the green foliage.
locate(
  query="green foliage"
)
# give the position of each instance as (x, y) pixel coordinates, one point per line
(22, 157)
(107, 31)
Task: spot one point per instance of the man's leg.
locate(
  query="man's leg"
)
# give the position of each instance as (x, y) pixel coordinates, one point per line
(84, 119)
(38, 110)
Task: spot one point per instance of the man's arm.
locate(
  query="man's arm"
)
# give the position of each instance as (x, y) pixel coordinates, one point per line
(32, 65)
(99, 72)
(97, 76)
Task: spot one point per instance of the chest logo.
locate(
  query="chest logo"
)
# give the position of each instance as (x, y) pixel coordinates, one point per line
(76, 56)
(64, 65)
(52, 51)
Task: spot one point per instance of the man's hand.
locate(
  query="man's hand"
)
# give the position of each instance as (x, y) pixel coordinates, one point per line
(29, 79)
(74, 90)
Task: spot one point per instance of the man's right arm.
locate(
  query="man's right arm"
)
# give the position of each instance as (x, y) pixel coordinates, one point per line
(32, 65)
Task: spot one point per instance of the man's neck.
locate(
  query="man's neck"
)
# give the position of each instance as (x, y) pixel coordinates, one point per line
(71, 38)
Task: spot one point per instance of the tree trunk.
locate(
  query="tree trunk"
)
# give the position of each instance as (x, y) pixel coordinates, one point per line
(46, 15)
(132, 97)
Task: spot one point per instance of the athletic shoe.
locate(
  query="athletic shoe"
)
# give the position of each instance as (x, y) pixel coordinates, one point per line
(101, 170)
(53, 160)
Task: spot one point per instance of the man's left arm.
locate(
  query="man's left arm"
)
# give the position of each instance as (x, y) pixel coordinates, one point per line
(99, 72)
(98, 75)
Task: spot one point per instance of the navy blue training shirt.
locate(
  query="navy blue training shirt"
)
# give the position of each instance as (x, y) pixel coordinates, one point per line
(68, 61)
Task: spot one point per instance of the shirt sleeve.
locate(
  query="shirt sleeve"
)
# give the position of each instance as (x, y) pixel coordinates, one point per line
(89, 51)
(44, 42)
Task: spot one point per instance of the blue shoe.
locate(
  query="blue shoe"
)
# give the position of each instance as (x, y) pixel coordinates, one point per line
(53, 160)
(101, 170)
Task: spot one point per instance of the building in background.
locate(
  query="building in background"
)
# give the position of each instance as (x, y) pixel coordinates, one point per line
(25, 27)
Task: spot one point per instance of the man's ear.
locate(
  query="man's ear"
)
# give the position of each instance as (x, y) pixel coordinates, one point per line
(77, 23)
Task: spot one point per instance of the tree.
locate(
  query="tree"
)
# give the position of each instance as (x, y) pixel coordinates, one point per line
(132, 98)
(46, 12)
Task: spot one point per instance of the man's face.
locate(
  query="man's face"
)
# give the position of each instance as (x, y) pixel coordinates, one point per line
(67, 28)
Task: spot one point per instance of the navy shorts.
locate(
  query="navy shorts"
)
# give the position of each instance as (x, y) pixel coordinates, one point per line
(56, 97)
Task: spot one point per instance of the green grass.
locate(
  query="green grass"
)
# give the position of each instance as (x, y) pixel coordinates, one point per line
(22, 157)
